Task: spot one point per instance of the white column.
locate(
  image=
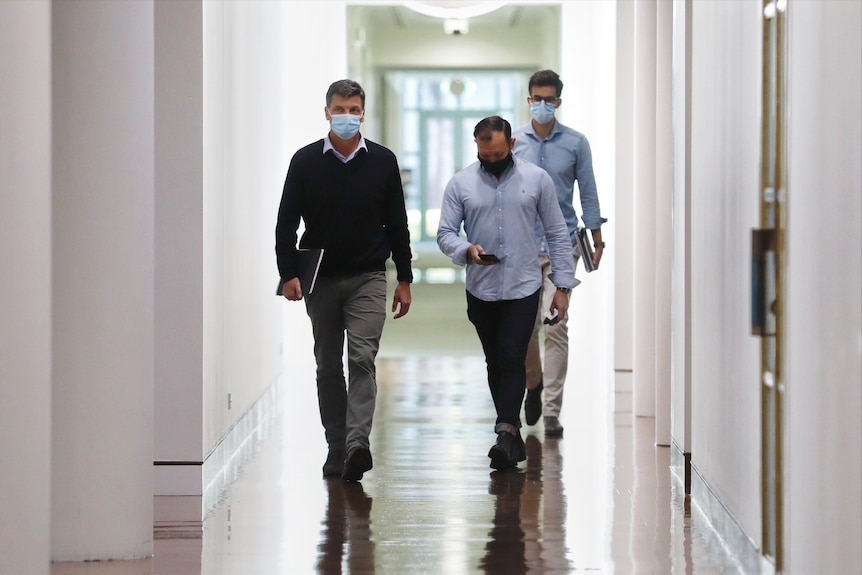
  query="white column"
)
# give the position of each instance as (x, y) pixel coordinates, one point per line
(103, 269)
(25, 292)
(644, 286)
(681, 288)
(179, 248)
(663, 219)
(623, 223)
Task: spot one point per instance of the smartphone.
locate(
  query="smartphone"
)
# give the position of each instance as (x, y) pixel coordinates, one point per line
(489, 258)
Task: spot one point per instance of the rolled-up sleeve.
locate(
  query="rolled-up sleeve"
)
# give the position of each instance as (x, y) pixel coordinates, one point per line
(557, 236)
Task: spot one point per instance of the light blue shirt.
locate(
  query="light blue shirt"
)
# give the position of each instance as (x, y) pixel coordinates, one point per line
(501, 215)
(565, 154)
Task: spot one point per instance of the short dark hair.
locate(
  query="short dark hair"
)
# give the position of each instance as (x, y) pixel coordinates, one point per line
(546, 78)
(345, 89)
(485, 128)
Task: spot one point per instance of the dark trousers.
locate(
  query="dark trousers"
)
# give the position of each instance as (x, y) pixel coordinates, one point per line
(504, 328)
(354, 306)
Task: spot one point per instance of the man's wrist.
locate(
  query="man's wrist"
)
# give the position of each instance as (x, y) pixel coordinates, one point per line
(597, 238)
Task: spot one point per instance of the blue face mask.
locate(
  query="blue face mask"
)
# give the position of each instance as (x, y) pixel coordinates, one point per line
(345, 126)
(542, 112)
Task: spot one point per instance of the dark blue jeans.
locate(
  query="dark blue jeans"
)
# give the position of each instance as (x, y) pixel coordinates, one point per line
(504, 328)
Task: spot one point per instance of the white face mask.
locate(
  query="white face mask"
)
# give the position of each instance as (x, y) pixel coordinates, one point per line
(542, 112)
(345, 126)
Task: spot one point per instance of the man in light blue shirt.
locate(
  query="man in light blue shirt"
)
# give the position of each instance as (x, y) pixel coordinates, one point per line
(565, 155)
(499, 200)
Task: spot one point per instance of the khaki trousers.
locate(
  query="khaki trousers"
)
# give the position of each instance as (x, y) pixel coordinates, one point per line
(553, 370)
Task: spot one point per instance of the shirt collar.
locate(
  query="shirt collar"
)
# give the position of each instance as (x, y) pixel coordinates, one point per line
(554, 131)
(327, 145)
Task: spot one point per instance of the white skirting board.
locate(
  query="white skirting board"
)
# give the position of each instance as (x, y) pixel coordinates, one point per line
(727, 531)
(239, 444)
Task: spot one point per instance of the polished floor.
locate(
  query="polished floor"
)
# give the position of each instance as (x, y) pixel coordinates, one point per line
(600, 500)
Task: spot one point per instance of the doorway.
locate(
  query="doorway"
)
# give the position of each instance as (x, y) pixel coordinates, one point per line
(432, 113)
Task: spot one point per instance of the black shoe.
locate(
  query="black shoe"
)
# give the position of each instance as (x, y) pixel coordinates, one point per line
(533, 404)
(358, 462)
(334, 465)
(508, 450)
(553, 427)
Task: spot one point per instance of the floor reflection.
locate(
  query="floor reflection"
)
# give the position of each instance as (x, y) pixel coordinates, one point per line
(346, 537)
(528, 533)
(506, 547)
(600, 500)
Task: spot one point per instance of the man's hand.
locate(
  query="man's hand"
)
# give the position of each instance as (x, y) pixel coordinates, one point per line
(598, 247)
(292, 290)
(473, 253)
(560, 303)
(401, 301)
(597, 255)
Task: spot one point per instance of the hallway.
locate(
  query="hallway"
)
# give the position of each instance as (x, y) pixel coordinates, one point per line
(600, 500)
(145, 148)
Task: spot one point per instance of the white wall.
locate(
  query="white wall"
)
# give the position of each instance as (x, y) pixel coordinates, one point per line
(264, 94)
(824, 289)
(103, 280)
(725, 362)
(242, 108)
(25, 292)
(178, 247)
(589, 97)
(307, 78)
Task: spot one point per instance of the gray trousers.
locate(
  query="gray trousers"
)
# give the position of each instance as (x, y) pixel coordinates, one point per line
(355, 305)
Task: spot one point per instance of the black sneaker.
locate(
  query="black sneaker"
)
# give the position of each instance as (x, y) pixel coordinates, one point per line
(508, 451)
(553, 427)
(334, 465)
(533, 404)
(358, 462)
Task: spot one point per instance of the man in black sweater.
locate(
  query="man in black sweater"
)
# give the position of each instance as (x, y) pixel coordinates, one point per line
(347, 191)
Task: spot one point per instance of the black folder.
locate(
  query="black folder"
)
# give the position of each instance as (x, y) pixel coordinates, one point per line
(308, 262)
(586, 249)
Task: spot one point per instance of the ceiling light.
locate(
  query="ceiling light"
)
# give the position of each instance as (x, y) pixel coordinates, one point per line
(456, 27)
(453, 10)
